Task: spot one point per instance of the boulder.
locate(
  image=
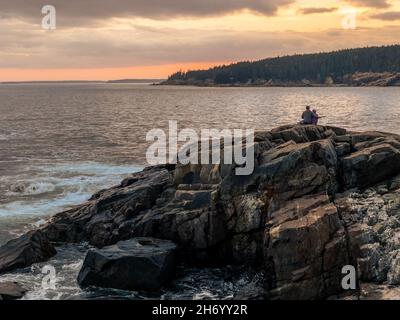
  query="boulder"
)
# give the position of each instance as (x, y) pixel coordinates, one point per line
(295, 170)
(342, 149)
(299, 271)
(136, 264)
(11, 291)
(370, 165)
(30, 248)
(98, 220)
(305, 133)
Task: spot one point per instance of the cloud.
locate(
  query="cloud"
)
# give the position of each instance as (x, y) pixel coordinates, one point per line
(387, 16)
(25, 47)
(370, 3)
(316, 10)
(158, 9)
(23, 44)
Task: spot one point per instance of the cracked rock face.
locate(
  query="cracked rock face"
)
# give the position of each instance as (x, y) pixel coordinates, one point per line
(320, 198)
(306, 247)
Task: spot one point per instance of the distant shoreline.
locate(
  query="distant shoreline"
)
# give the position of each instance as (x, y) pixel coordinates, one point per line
(358, 79)
(205, 85)
(137, 81)
(275, 86)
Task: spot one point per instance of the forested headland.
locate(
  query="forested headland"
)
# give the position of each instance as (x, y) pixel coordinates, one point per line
(371, 66)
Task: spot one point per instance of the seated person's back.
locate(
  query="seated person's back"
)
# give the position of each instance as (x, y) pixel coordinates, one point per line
(307, 116)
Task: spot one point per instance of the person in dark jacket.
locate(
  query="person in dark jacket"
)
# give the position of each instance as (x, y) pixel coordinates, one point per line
(307, 116)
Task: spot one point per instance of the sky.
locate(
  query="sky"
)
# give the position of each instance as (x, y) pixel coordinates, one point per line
(148, 39)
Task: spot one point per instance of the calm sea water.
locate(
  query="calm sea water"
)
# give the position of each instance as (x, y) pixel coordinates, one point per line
(59, 143)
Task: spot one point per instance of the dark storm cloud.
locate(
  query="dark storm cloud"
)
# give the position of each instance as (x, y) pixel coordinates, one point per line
(103, 9)
(370, 3)
(387, 16)
(316, 10)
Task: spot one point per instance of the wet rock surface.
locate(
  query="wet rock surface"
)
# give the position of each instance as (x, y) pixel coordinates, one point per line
(136, 264)
(11, 291)
(319, 198)
(28, 249)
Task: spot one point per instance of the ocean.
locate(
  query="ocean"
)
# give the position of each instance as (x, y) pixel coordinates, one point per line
(60, 143)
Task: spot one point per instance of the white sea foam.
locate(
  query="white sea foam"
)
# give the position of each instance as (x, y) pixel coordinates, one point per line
(57, 187)
(42, 207)
(30, 188)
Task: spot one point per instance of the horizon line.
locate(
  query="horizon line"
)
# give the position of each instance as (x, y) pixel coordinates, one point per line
(143, 80)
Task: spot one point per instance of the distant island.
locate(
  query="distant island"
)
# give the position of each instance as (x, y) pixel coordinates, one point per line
(370, 66)
(151, 81)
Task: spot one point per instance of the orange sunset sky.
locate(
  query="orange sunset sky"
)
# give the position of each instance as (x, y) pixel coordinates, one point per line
(103, 39)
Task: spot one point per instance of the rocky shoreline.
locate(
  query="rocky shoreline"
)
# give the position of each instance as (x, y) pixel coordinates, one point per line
(358, 79)
(320, 198)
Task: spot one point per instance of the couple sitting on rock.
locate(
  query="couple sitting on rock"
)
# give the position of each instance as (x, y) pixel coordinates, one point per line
(310, 117)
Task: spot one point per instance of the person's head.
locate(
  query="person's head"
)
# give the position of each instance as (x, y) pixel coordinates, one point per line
(314, 110)
(308, 108)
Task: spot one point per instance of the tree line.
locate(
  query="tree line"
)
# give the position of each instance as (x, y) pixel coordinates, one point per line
(316, 68)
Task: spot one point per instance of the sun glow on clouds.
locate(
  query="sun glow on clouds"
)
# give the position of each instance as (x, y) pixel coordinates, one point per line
(145, 46)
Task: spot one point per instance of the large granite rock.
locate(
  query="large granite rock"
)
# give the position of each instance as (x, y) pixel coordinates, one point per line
(98, 220)
(319, 198)
(30, 248)
(136, 264)
(306, 249)
(11, 291)
(370, 165)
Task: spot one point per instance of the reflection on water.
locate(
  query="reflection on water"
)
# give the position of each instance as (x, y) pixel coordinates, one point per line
(109, 122)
